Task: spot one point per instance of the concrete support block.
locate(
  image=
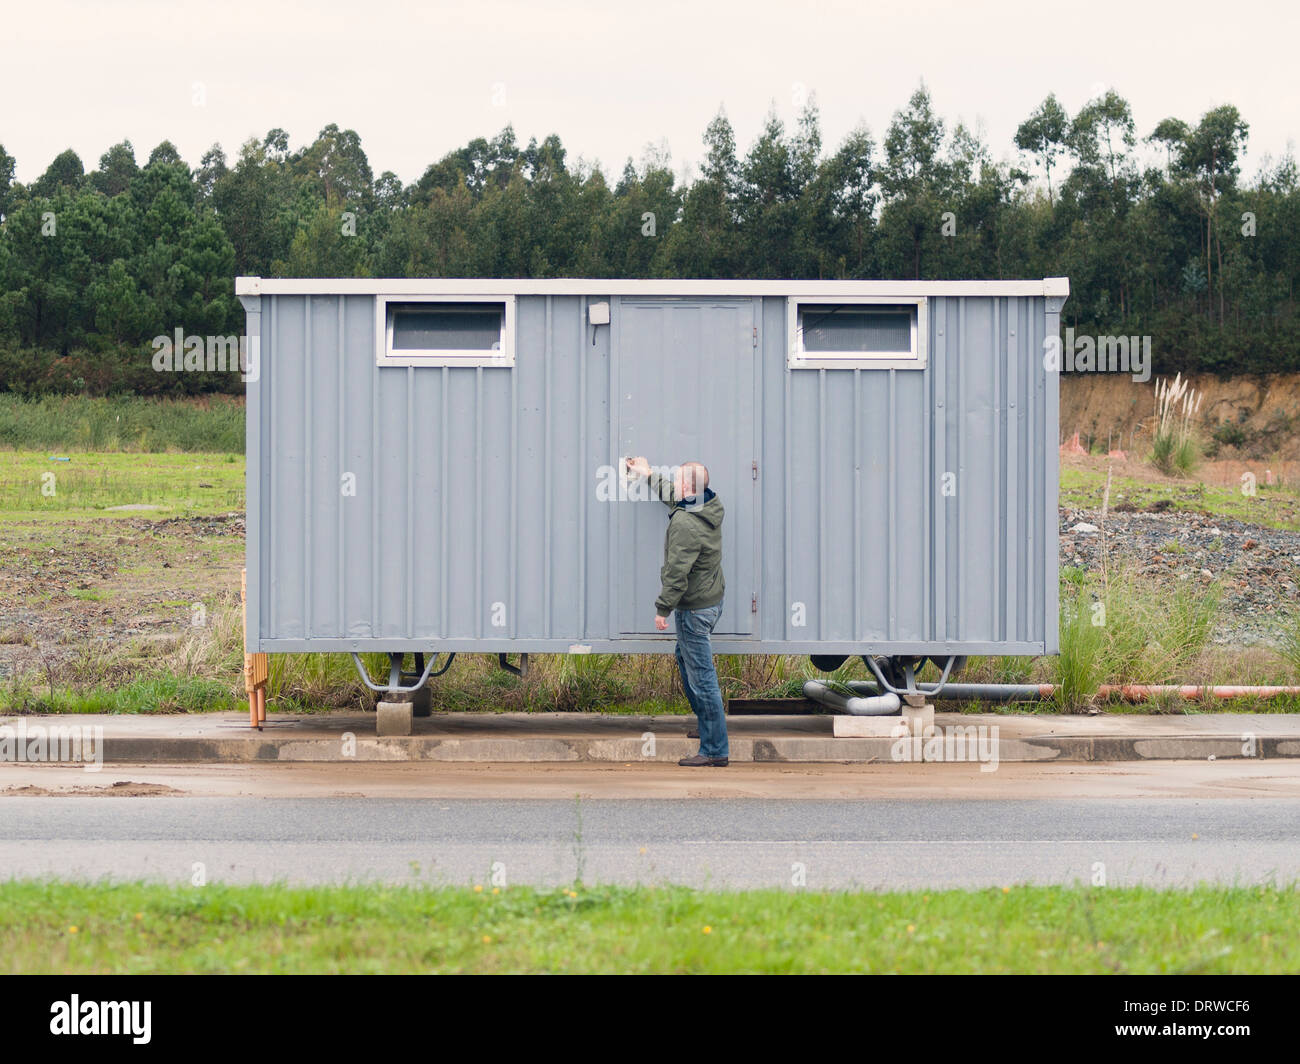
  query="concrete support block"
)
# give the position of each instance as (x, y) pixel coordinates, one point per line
(919, 719)
(393, 718)
(423, 698)
(422, 702)
(850, 727)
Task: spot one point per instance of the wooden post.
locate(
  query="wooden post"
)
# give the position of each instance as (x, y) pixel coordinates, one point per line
(255, 666)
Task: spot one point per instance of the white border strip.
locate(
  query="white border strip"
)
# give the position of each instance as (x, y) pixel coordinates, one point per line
(587, 286)
(386, 356)
(918, 359)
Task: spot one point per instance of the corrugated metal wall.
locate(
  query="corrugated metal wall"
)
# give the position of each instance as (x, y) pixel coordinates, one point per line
(911, 507)
(462, 508)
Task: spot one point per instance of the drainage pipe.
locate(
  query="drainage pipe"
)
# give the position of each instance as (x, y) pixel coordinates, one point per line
(986, 692)
(1139, 692)
(874, 706)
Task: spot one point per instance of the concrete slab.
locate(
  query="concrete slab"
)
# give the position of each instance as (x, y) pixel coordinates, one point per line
(577, 737)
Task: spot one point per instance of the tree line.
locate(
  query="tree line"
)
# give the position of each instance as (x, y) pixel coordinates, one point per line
(1169, 242)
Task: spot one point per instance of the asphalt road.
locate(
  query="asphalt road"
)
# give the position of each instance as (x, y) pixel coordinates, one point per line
(721, 842)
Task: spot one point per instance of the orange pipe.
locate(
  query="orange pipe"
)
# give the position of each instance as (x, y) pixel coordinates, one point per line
(1138, 692)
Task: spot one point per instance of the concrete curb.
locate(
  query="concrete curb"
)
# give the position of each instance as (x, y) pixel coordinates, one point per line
(560, 738)
(627, 751)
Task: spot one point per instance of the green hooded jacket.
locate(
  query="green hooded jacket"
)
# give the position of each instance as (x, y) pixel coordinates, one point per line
(691, 576)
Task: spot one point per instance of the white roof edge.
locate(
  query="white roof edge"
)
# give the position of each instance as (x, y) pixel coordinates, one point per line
(596, 286)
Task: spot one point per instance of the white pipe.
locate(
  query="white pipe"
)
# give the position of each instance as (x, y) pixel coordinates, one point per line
(874, 706)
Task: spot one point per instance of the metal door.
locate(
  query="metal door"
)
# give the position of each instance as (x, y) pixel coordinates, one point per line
(684, 389)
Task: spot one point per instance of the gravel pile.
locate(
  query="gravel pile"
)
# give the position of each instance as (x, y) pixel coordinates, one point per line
(1257, 568)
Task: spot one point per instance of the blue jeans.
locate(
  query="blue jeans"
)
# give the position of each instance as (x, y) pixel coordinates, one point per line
(699, 678)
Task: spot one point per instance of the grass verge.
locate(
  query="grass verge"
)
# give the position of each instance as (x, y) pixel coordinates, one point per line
(1146, 635)
(50, 927)
(123, 423)
(1272, 506)
(33, 484)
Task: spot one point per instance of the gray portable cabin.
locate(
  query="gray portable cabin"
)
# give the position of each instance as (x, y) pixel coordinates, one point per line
(434, 464)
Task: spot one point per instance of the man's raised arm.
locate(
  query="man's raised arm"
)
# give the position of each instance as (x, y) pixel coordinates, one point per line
(662, 486)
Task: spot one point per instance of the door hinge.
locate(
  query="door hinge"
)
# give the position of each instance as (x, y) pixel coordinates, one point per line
(755, 469)
(753, 604)
(755, 335)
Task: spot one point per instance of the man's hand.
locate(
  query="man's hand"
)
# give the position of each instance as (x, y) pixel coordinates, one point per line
(638, 467)
(661, 624)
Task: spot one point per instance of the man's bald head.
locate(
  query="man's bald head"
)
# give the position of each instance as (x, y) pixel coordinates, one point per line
(692, 479)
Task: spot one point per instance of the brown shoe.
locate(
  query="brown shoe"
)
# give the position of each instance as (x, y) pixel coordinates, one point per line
(700, 761)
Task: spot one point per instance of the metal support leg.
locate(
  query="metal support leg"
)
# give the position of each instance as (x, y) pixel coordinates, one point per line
(395, 685)
(518, 670)
(406, 695)
(910, 686)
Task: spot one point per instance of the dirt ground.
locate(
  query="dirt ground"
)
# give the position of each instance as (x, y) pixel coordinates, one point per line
(1221, 472)
(1116, 412)
(116, 789)
(66, 585)
(1167, 779)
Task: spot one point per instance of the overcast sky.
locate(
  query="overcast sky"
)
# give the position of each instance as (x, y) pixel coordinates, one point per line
(417, 80)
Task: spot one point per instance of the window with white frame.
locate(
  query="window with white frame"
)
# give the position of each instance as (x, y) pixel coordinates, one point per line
(446, 331)
(856, 332)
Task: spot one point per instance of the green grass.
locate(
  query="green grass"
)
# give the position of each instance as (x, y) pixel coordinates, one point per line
(1289, 650)
(1162, 452)
(1187, 456)
(159, 693)
(87, 485)
(1172, 453)
(127, 423)
(1080, 665)
(1150, 635)
(1272, 507)
(1126, 630)
(52, 927)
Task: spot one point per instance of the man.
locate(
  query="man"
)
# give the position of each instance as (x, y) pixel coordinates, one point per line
(692, 585)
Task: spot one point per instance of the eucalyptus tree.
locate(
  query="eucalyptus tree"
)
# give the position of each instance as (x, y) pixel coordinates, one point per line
(1209, 154)
(916, 181)
(1044, 135)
